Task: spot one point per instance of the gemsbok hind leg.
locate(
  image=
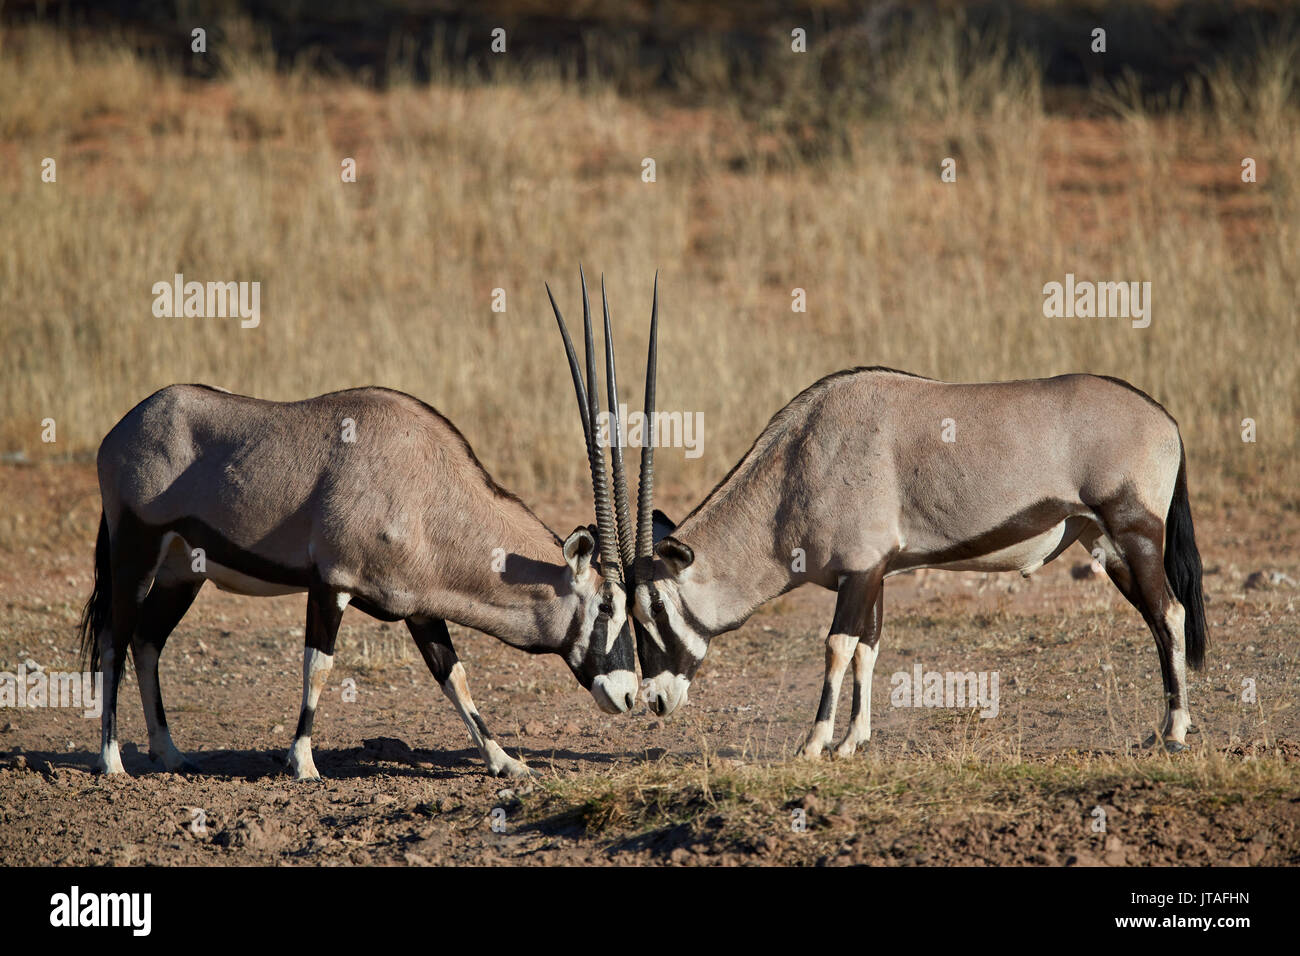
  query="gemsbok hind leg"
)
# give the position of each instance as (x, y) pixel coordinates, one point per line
(857, 597)
(324, 613)
(864, 664)
(134, 558)
(168, 600)
(1134, 561)
(434, 641)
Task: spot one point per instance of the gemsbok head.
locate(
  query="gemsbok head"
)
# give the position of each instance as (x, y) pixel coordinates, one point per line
(366, 497)
(635, 546)
(872, 472)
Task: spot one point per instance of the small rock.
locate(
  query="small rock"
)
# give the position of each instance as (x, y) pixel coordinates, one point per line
(10, 727)
(277, 729)
(535, 728)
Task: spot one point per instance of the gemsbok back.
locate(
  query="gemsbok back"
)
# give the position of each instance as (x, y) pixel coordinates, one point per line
(400, 521)
(856, 478)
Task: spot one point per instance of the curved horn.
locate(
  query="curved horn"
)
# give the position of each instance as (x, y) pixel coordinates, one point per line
(645, 488)
(612, 568)
(626, 542)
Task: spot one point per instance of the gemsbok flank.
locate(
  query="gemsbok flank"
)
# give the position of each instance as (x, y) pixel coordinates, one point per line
(401, 522)
(853, 481)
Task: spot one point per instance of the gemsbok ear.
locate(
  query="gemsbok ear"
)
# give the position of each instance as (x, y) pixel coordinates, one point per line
(663, 525)
(579, 549)
(675, 554)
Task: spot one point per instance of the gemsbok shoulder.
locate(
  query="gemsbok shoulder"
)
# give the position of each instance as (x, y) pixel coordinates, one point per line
(871, 472)
(366, 497)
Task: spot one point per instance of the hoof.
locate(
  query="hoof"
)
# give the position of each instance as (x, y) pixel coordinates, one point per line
(174, 763)
(299, 760)
(1175, 746)
(514, 769)
(110, 763)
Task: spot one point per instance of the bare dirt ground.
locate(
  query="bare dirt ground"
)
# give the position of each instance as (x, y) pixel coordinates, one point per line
(714, 784)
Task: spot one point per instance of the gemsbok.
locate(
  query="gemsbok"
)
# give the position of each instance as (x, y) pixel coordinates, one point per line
(367, 497)
(871, 472)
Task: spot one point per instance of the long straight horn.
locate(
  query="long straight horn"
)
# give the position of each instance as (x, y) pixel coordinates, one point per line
(626, 542)
(645, 488)
(574, 370)
(612, 567)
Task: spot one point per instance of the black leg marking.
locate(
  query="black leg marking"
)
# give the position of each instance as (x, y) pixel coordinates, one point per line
(167, 603)
(1139, 575)
(434, 642)
(324, 613)
(872, 640)
(133, 555)
(853, 614)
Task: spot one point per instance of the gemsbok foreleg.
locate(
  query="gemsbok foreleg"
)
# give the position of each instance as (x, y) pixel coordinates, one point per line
(324, 613)
(434, 642)
(853, 611)
(864, 664)
(162, 610)
(1133, 560)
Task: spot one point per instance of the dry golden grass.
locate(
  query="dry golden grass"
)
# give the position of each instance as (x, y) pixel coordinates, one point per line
(904, 793)
(466, 187)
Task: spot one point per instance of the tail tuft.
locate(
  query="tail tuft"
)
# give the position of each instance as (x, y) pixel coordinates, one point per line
(1183, 568)
(98, 612)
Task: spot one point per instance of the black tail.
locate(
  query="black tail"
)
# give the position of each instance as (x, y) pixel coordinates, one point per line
(98, 612)
(1183, 568)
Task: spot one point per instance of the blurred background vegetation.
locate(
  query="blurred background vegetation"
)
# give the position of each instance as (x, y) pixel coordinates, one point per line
(775, 171)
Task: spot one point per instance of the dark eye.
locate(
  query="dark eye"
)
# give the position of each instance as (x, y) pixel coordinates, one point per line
(657, 608)
(606, 609)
